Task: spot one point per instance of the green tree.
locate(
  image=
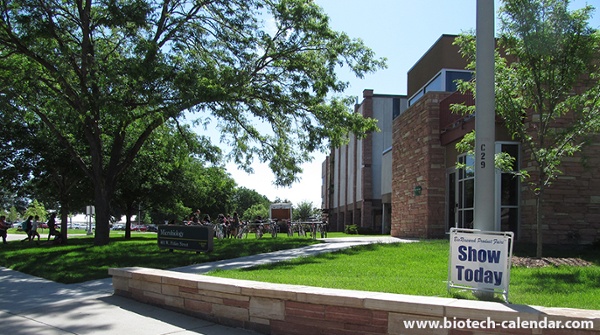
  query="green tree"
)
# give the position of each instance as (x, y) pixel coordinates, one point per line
(547, 88)
(151, 181)
(36, 208)
(54, 180)
(304, 211)
(37, 166)
(213, 190)
(244, 198)
(17, 154)
(12, 215)
(107, 74)
(256, 210)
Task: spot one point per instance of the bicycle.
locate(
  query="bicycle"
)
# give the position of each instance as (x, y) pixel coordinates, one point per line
(259, 231)
(313, 231)
(243, 231)
(273, 228)
(301, 231)
(323, 230)
(219, 231)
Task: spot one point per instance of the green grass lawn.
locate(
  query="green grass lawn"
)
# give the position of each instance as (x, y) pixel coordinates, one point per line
(422, 269)
(44, 232)
(81, 261)
(411, 268)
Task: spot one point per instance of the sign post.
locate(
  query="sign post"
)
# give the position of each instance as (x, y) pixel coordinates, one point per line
(485, 119)
(480, 261)
(90, 211)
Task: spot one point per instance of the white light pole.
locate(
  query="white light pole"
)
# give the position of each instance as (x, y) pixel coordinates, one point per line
(90, 211)
(485, 119)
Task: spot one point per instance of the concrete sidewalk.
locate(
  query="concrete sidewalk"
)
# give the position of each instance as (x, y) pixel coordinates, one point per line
(31, 305)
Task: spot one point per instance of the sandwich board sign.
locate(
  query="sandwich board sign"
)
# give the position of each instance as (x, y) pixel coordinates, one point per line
(480, 261)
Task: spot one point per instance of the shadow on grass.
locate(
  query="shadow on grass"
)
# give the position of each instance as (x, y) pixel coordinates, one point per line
(561, 280)
(81, 260)
(590, 253)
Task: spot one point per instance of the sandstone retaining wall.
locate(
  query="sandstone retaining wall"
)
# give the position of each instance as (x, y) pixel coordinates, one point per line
(292, 309)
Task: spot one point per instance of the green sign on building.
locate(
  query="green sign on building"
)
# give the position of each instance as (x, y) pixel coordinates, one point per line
(195, 238)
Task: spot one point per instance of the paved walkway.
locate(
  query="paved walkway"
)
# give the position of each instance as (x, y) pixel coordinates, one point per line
(31, 305)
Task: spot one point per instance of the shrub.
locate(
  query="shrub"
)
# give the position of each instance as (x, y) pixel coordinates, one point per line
(351, 229)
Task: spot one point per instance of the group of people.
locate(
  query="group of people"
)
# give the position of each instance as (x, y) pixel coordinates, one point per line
(229, 224)
(30, 227)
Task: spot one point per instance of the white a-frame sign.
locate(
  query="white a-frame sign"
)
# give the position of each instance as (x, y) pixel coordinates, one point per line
(480, 261)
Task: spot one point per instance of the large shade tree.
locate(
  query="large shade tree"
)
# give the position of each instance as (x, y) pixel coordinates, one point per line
(107, 73)
(547, 89)
(35, 166)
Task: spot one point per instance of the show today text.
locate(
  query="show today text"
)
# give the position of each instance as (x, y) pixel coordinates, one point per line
(480, 275)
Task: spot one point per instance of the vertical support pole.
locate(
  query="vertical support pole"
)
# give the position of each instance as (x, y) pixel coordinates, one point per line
(383, 218)
(485, 119)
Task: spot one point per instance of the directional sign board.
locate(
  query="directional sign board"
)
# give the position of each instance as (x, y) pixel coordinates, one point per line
(480, 261)
(195, 238)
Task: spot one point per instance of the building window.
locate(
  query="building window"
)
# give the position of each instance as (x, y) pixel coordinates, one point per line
(466, 192)
(436, 84)
(453, 76)
(461, 192)
(507, 192)
(443, 81)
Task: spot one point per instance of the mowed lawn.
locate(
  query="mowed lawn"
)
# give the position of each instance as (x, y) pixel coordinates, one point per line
(419, 268)
(422, 269)
(80, 260)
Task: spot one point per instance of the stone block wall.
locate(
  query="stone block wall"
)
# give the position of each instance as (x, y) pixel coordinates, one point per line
(571, 210)
(419, 160)
(280, 309)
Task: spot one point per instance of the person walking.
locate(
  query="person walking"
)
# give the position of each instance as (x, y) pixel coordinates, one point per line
(34, 227)
(52, 225)
(27, 225)
(3, 228)
(235, 225)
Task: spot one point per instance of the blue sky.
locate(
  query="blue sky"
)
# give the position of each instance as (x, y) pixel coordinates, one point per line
(399, 30)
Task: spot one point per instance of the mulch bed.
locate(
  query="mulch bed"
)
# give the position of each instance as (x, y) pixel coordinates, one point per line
(532, 262)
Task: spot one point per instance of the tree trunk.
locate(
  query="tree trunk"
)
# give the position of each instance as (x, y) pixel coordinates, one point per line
(538, 218)
(64, 218)
(128, 214)
(101, 201)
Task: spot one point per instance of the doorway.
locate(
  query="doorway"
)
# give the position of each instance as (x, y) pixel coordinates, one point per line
(461, 194)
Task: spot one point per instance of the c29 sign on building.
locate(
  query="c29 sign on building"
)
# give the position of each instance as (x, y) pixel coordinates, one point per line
(480, 261)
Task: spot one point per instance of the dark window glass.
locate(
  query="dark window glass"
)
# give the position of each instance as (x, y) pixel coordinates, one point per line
(469, 193)
(452, 76)
(510, 190)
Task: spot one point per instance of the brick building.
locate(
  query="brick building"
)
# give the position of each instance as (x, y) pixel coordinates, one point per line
(356, 188)
(405, 179)
(430, 195)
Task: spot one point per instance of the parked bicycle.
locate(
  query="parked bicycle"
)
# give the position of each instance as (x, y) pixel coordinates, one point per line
(323, 230)
(301, 231)
(259, 231)
(243, 231)
(273, 228)
(313, 231)
(219, 230)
